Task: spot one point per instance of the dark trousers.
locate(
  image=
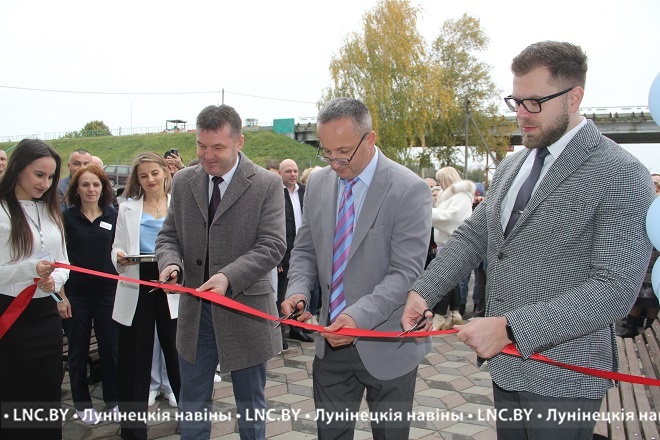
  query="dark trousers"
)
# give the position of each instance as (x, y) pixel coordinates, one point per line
(340, 380)
(451, 300)
(136, 346)
(315, 303)
(31, 370)
(282, 284)
(536, 425)
(84, 309)
(197, 388)
(479, 292)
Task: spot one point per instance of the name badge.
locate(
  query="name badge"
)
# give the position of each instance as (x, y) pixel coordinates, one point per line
(105, 225)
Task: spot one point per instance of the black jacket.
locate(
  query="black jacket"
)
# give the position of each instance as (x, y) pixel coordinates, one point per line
(290, 223)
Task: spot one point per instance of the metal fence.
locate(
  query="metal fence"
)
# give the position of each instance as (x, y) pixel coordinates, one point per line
(114, 132)
(85, 133)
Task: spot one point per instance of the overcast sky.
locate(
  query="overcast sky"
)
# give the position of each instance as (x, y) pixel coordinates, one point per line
(277, 52)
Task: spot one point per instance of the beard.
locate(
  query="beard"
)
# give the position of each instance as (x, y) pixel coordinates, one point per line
(548, 136)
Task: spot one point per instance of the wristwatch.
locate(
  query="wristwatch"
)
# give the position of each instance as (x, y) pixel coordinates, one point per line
(509, 333)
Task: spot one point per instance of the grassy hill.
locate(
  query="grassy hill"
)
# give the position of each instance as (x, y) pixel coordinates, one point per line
(260, 146)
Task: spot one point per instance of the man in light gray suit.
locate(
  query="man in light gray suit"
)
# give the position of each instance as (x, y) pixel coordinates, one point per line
(387, 227)
(224, 233)
(567, 269)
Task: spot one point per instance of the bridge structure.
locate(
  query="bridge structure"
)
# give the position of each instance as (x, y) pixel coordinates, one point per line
(624, 125)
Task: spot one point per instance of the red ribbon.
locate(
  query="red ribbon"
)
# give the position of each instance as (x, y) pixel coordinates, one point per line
(16, 307)
(509, 350)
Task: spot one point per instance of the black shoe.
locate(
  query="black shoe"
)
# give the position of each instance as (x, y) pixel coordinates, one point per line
(285, 346)
(299, 336)
(628, 332)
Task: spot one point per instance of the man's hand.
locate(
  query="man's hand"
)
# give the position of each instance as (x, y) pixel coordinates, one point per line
(486, 336)
(218, 283)
(169, 275)
(343, 320)
(415, 306)
(293, 301)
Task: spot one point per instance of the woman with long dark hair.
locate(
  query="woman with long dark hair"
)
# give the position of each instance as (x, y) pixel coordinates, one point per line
(32, 238)
(90, 231)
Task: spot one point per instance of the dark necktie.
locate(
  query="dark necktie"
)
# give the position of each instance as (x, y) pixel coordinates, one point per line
(213, 207)
(215, 198)
(525, 192)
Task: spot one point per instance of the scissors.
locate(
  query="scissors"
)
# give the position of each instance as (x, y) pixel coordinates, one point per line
(169, 277)
(420, 322)
(296, 312)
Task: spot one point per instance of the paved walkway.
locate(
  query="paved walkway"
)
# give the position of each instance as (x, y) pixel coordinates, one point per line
(448, 382)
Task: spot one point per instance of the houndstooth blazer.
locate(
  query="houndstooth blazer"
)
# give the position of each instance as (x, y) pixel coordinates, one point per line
(572, 265)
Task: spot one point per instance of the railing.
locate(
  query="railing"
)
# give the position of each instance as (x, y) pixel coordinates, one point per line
(85, 133)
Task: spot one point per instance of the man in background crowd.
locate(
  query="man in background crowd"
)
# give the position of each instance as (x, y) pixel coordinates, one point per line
(77, 159)
(293, 209)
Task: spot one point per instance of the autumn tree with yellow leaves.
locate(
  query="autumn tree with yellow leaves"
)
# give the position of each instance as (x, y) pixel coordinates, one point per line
(416, 93)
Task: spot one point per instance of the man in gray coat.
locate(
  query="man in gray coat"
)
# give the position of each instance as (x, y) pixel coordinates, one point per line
(365, 257)
(563, 265)
(224, 233)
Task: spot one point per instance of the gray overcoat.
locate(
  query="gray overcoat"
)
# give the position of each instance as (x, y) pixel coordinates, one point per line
(247, 240)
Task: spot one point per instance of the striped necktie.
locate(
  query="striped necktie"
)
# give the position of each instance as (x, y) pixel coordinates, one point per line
(342, 245)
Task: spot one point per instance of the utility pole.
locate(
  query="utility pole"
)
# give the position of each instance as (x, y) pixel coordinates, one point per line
(467, 129)
(223, 96)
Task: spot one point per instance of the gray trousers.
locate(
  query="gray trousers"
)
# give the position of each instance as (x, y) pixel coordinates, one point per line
(340, 380)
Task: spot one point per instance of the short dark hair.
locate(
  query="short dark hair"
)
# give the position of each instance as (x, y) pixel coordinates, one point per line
(72, 196)
(353, 109)
(79, 151)
(215, 117)
(566, 62)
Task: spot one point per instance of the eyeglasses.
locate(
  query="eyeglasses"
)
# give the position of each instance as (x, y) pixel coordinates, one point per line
(532, 105)
(340, 160)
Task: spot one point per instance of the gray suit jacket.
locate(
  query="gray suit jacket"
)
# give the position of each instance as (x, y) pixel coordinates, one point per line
(387, 254)
(246, 241)
(572, 265)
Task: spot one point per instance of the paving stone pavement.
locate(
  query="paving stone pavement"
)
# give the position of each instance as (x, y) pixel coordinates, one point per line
(448, 383)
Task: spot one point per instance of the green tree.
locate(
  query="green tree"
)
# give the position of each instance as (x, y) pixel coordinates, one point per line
(386, 67)
(466, 79)
(95, 128)
(416, 94)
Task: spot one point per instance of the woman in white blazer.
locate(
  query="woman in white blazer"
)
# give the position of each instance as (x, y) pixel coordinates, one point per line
(136, 308)
(454, 206)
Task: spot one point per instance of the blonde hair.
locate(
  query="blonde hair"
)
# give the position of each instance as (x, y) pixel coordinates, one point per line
(447, 176)
(305, 174)
(133, 188)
